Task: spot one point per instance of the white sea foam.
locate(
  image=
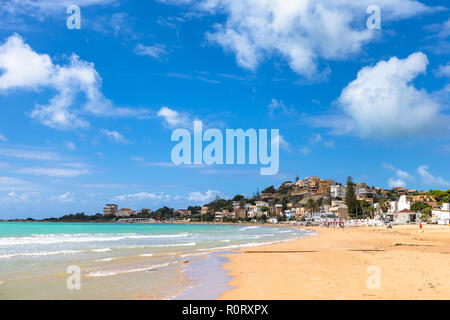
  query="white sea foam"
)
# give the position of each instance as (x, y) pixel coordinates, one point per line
(109, 273)
(44, 239)
(51, 253)
(194, 254)
(168, 245)
(102, 274)
(36, 254)
(147, 255)
(105, 259)
(263, 235)
(188, 244)
(249, 228)
(101, 250)
(244, 245)
(220, 248)
(253, 244)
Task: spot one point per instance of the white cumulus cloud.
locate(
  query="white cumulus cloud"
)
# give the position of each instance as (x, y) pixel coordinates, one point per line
(402, 178)
(114, 136)
(302, 32)
(204, 197)
(443, 70)
(396, 182)
(430, 179)
(156, 51)
(19, 197)
(382, 102)
(173, 118)
(283, 144)
(25, 69)
(65, 197)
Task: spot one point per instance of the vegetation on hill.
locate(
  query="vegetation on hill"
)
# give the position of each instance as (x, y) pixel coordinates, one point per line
(419, 206)
(82, 217)
(270, 189)
(440, 196)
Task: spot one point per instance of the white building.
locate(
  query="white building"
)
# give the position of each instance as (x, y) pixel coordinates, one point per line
(218, 216)
(273, 220)
(254, 211)
(125, 212)
(301, 183)
(359, 190)
(261, 204)
(404, 203)
(442, 216)
(338, 191)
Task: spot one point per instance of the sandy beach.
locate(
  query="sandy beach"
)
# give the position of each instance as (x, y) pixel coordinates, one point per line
(334, 265)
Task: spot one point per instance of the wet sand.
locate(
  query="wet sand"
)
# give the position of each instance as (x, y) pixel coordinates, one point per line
(334, 265)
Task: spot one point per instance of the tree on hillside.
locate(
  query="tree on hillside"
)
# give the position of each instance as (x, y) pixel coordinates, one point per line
(257, 194)
(270, 189)
(350, 199)
(419, 206)
(440, 196)
(163, 213)
(195, 210)
(364, 205)
(426, 213)
(383, 206)
(208, 217)
(285, 187)
(284, 203)
(238, 197)
(218, 205)
(312, 206)
(371, 211)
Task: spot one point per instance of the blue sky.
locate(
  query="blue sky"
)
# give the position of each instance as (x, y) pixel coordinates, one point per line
(87, 114)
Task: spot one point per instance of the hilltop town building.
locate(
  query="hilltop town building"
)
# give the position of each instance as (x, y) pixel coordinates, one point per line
(338, 191)
(442, 215)
(125, 212)
(183, 212)
(324, 186)
(205, 210)
(240, 213)
(110, 209)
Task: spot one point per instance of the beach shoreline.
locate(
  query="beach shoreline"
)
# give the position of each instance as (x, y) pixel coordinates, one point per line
(342, 263)
(127, 261)
(202, 286)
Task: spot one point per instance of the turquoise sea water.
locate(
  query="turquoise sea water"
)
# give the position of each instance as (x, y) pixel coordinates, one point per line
(117, 261)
